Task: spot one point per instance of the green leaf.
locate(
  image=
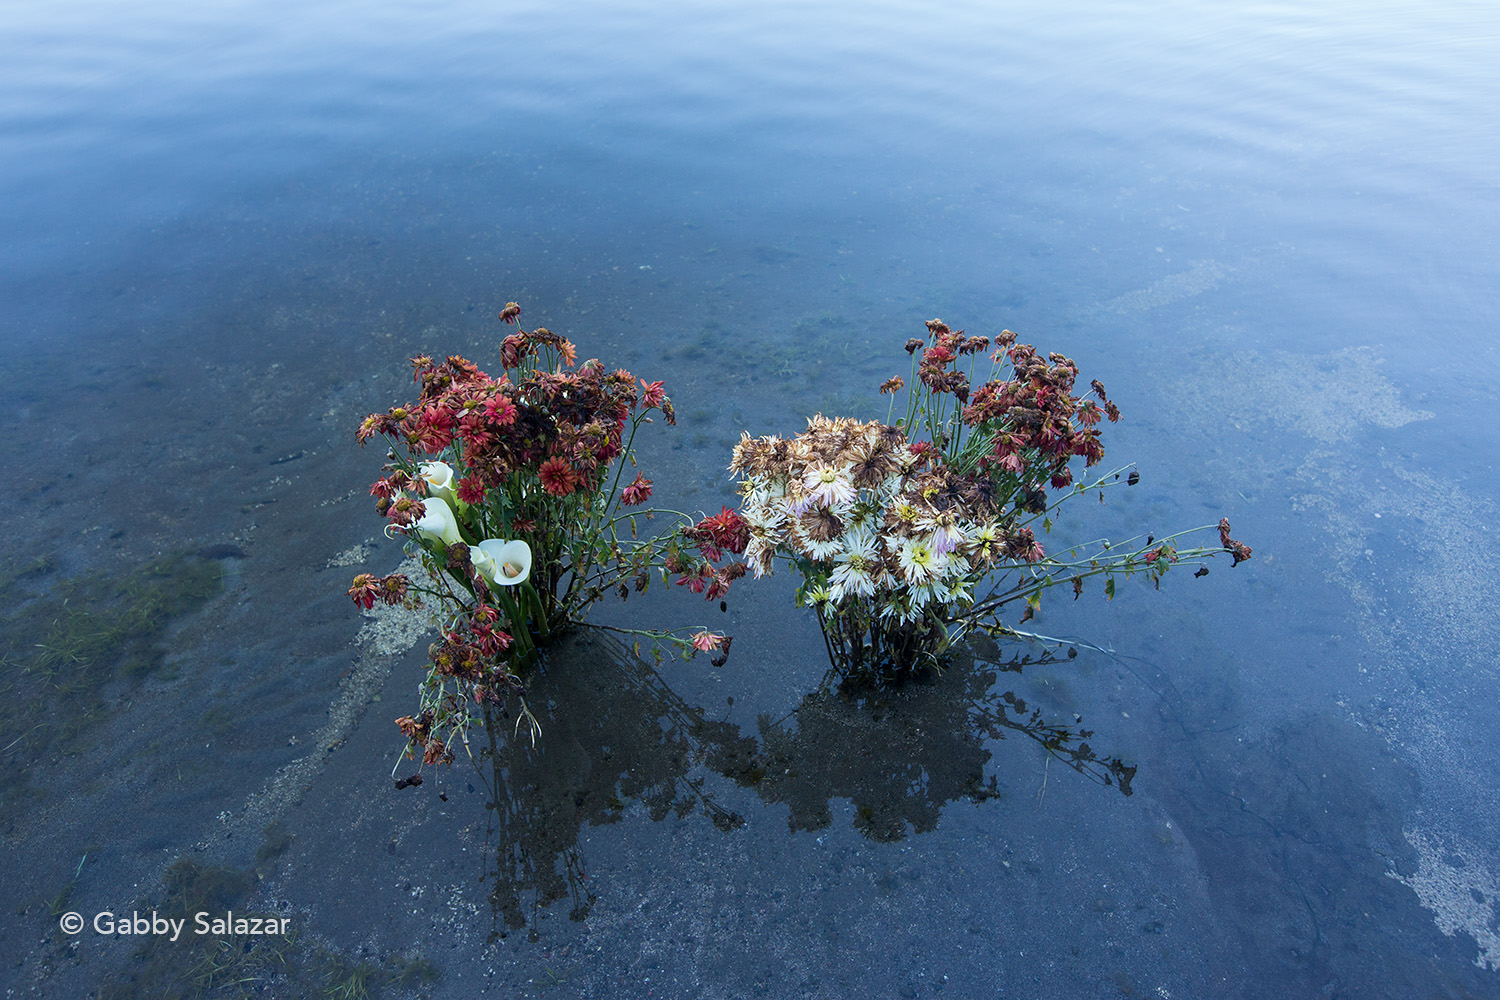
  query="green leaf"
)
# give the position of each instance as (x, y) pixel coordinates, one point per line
(1109, 588)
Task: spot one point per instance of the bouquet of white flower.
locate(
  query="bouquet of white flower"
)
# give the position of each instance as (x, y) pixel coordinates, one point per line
(908, 542)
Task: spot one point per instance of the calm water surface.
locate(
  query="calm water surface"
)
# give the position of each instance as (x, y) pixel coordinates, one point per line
(1268, 228)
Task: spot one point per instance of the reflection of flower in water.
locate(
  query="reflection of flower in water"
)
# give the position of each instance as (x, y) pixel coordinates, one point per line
(615, 733)
(900, 758)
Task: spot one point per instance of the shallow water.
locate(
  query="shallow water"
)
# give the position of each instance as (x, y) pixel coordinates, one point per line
(1269, 230)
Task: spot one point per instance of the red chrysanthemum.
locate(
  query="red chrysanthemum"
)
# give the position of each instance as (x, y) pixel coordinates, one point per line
(512, 349)
(434, 429)
(1238, 549)
(557, 476)
(638, 492)
(725, 530)
(500, 410)
(475, 431)
(471, 490)
(403, 511)
(368, 427)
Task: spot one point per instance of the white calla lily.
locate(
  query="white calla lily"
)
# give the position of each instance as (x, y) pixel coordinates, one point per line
(439, 476)
(438, 522)
(503, 563)
(482, 561)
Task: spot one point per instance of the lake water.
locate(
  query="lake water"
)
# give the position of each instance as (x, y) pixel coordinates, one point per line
(1269, 228)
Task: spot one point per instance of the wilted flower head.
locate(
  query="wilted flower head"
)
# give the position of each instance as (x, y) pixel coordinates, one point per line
(1239, 550)
(637, 492)
(365, 590)
(707, 642)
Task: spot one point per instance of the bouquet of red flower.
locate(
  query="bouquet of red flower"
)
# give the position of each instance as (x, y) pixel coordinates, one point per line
(910, 535)
(510, 489)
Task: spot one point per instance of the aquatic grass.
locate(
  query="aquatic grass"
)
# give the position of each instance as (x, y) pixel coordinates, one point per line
(350, 982)
(62, 642)
(236, 966)
(106, 627)
(59, 903)
(13, 571)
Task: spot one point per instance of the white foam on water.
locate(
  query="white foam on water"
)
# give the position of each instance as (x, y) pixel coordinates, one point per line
(1460, 895)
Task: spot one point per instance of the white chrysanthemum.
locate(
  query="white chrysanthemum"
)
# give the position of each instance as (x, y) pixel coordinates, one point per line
(766, 489)
(818, 534)
(900, 608)
(863, 516)
(798, 500)
(920, 562)
(984, 543)
(906, 514)
(956, 590)
(907, 461)
(855, 567)
(945, 533)
(849, 583)
(760, 553)
(925, 594)
(889, 487)
(764, 514)
(986, 533)
(818, 551)
(860, 539)
(817, 595)
(829, 485)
